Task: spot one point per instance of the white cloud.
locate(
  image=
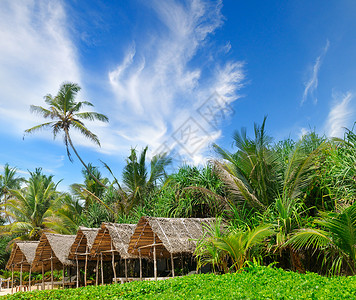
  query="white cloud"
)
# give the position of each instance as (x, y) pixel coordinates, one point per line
(312, 84)
(340, 115)
(36, 56)
(158, 91)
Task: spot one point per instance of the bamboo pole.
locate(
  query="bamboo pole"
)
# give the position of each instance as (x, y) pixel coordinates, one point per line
(12, 279)
(52, 283)
(20, 289)
(172, 261)
(85, 268)
(154, 257)
(139, 252)
(76, 258)
(63, 277)
(97, 271)
(102, 269)
(113, 262)
(29, 279)
(125, 268)
(43, 286)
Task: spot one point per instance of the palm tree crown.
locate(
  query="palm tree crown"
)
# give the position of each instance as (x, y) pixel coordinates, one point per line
(64, 113)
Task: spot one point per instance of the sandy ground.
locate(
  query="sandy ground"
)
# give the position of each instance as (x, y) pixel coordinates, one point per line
(8, 291)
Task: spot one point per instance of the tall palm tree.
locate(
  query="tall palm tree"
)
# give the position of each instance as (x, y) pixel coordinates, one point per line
(30, 207)
(64, 111)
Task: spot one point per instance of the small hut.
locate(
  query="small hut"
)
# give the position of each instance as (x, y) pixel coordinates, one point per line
(52, 254)
(81, 247)
(21, 259)
(166, 237)
(112, 239)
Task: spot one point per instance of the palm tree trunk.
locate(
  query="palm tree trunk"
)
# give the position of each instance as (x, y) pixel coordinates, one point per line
(86, 167)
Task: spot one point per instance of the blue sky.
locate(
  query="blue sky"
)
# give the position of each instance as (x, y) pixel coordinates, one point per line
(173, 75)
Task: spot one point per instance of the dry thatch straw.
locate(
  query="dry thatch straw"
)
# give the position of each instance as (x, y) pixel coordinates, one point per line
(23, 252)
(84, 241)
(113, 237)
(53, 247)
(171, 235)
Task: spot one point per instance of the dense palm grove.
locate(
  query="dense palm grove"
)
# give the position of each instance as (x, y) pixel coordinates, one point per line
(290, 203)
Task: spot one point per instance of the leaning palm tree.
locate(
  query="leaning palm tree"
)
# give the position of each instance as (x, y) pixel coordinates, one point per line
(65, 113)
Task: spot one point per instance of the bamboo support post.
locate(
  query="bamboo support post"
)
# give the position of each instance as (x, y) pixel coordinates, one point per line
(139, 252)
(12, 279)
(43, 285)
(76, 257)
(63, 276)
(172, 261)
(102, 269)
(97, 271)
(85, 269)
(20, 288)
(113, 262)
(52, 282)
(154, 257)
(125, 268)
(29, 279)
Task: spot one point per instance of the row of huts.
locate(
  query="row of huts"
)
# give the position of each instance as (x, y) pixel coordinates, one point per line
(110, 249)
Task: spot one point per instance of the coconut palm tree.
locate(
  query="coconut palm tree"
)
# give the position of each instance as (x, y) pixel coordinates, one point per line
(30, 207)
(65, 113)
(139, 181)
(8, 181)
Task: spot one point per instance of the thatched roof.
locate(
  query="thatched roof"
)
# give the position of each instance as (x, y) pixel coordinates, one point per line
(112, 236)
(55, 247)
(84, 240)
(23, 252)
(173, 235)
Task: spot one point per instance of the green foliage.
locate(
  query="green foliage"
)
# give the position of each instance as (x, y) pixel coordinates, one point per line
(256, 283)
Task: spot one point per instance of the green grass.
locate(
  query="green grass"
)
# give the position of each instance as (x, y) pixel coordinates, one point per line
(258, 283)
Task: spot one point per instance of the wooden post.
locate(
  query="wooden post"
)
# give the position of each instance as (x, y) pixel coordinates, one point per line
(172, 261)
(125, 268)
(139, 252)
(20, 289)
(63, 277)
(97, 271)
(12, 278)
(113, 261)
(29, 279)
(78, 275)
(43, 286)
(102, 269)
(85, 269)
(52, 283)
(154, 257)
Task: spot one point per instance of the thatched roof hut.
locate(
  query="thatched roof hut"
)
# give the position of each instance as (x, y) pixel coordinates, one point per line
(113, 237)
(84, 241)
(55, 248)
(23, 252)
(169, 235)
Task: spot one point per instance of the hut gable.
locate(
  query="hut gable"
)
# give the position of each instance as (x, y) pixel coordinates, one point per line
(84, 241)
(22, 252)
(171, 235)
(112, 236)
(56, 247)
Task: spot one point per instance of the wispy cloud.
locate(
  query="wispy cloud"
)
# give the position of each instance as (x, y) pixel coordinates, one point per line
(36, 56)
(312, 84)
(159, 86)
(340, 115)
